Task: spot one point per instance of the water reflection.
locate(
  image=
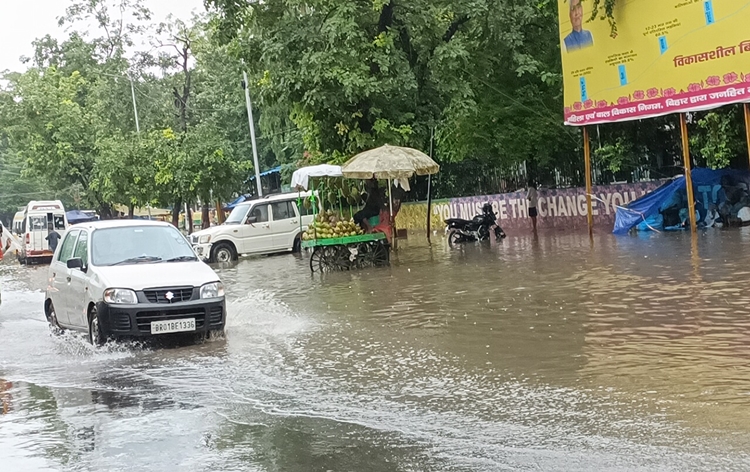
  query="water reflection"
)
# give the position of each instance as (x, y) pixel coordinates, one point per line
(6, 397)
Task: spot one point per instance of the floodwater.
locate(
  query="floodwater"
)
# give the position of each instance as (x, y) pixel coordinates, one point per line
(552, 354)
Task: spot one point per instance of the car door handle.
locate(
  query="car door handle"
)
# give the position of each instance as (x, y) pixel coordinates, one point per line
(294, 222)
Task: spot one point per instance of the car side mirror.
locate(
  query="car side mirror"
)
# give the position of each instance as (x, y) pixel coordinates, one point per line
(76, 263)
(252, 219)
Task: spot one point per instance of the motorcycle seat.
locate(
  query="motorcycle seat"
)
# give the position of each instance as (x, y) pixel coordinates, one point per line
(457, 220)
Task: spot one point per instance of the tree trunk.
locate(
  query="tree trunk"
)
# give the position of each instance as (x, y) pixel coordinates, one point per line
(205, 217)
(105, 212)
(131, 211)
(189, 220)
(176, 213)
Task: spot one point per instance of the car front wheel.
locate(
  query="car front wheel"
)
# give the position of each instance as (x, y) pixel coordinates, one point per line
(223, 252)
(96, 336)
(54, 325)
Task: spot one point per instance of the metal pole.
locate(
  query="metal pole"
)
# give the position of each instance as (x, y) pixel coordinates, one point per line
(429, 207)
(688, 174)
(429, 190)
(391, 222)
(587, 158)
(135, 107)
(747, 127)
(246, 86)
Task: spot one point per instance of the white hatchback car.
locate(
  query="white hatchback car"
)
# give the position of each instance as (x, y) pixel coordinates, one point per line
(131, 278)
(271, 224)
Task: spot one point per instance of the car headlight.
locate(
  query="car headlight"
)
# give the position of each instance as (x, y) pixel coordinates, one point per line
(212, 290)
(120, 296)
(205, 239)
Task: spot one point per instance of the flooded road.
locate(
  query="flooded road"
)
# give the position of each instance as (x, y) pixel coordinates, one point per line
(534, 354)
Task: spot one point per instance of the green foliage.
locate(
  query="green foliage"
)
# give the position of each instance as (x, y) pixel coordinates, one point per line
(612, 156)
(718, 139)
(349, 76)
(608, 13)
(69, 125)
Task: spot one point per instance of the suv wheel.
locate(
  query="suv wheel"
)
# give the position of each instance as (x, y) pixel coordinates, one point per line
(96, 336)
(223, 252)
(297, 245)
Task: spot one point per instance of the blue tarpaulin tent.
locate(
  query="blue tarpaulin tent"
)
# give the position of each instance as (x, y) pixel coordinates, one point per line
(78, 216)
(707, 190)
(230, 206)
(275, 170)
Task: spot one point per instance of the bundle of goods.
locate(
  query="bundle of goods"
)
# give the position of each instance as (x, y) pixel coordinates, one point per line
(329, 225)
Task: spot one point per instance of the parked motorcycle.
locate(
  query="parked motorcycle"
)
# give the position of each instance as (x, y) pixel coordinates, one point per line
(476, 229)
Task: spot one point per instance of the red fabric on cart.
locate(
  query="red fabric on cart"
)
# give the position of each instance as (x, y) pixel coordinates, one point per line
(384, 226)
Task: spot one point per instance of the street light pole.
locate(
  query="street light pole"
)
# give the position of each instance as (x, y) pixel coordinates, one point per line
(135, 107)
(246, 86)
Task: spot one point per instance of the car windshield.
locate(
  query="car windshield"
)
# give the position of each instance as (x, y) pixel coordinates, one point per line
(139, 244)
(238, 215)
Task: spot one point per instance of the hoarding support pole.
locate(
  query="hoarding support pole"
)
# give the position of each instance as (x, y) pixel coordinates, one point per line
(429, 190)
(688, 174)
(747, 127)
(587, 157)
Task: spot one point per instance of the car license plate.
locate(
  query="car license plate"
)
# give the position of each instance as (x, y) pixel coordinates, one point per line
(173, 326)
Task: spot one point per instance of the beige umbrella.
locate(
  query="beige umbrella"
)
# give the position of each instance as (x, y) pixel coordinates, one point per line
(389, 162)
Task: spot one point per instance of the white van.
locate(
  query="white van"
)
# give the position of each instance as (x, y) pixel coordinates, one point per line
(263, 226)
(18, 220)
(39, 217)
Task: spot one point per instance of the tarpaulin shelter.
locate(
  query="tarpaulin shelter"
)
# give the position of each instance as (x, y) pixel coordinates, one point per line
(78, 216)
(242, 198)
(275, 170)
(708, 190)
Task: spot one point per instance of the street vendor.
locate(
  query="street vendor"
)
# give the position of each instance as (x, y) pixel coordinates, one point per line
(372, 204)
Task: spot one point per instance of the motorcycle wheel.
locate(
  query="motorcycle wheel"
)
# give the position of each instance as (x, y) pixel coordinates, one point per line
(484, 233)
(499, 233)
(454, 238)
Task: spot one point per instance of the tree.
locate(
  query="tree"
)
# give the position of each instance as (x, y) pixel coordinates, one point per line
(350, 76)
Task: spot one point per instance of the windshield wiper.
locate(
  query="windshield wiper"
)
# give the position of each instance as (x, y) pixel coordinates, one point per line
(181, 259)
(136, 260)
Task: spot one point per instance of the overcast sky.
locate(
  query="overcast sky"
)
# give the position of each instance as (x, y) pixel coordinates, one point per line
(22, 21)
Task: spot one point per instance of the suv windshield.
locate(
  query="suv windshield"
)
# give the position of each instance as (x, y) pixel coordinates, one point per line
(237, 216)
(134, 244)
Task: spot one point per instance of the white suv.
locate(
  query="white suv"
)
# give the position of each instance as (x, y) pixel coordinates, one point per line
(263, 226)
(129, 278)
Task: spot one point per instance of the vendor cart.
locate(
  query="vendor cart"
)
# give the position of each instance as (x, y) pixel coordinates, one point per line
(329, 254)
(356, 251)
(351, 252)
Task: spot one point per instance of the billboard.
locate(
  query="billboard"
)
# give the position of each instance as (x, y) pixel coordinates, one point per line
(666, 56)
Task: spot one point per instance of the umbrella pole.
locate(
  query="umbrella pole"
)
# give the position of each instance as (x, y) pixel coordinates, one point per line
(392, 222)
(429, 190)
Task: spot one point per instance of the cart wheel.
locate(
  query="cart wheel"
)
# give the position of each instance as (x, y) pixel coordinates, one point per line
(380, 255)
(315, 258)
(364, 256)
(339, 258)
(327, 259)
